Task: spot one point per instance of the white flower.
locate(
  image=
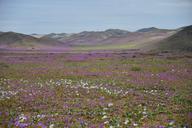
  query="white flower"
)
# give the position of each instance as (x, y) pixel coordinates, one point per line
(145, 108)
(104, 113)
(144, 113)
(22, 118)
(106, 122)
(135, 125)
(105, 108)
(171, 123)
(51, 126)
(40, 116)
(126, 121)
(104, 117)
(111, 127)
(110, 104)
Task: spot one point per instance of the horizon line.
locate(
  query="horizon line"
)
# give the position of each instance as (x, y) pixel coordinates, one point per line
(31, 33)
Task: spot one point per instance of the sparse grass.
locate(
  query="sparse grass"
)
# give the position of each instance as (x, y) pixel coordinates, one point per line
(135, 68)
(99, 91)
(106, 47)
(3, 65)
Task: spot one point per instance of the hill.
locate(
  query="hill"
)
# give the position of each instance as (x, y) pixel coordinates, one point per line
(153, 29)
(57, 36)
(111, 39)
(37, 35)
(115, 39)
(181, 41)
(87, 37)
(12, 40)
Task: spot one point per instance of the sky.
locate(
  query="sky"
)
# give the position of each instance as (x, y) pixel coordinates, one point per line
(71, 16)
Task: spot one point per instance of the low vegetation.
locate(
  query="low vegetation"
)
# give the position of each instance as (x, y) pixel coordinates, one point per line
(105, 90)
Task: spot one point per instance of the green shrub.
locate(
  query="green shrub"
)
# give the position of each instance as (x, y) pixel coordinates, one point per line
(136, 68)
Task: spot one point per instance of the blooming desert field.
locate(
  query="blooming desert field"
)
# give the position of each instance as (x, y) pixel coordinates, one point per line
(95, 90)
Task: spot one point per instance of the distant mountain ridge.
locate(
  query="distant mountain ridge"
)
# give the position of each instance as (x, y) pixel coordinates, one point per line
(109, 36)
(57, 36)
(102, 34)
(37, 35)
(152, 29)
(146, 39)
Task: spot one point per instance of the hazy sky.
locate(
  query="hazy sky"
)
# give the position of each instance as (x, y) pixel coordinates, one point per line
(45, 16)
